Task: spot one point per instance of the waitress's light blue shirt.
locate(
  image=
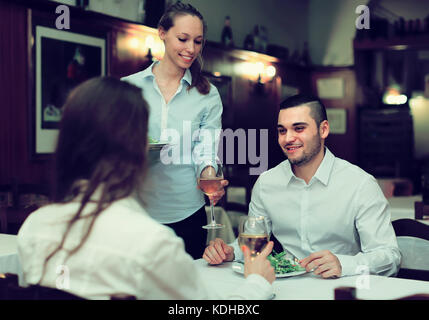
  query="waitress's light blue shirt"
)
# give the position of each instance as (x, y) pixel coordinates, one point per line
(191, 123)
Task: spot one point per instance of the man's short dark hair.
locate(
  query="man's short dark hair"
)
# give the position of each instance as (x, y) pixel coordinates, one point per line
(318, 110)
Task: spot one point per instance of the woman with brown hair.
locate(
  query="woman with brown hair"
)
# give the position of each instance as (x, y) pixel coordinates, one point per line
(96, 241)
(185, 109)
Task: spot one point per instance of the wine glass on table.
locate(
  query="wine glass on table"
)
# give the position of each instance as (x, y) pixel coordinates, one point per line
(209, 182)
(254, 233)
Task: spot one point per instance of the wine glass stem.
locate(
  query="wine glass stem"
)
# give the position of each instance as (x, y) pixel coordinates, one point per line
(212, 212)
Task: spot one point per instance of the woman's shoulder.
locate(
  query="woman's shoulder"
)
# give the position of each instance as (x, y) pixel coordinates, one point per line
(133, 229)
(48, 216)
(58, 210)
(133, 78)
(213, 96)
(128, 214)
(213, 90)
(136, 78)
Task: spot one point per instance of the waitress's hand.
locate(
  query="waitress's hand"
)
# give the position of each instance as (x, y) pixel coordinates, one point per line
(209, 171)
(215, 197)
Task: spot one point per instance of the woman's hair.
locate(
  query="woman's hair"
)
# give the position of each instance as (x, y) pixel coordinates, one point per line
(102, 141)
(167, 21)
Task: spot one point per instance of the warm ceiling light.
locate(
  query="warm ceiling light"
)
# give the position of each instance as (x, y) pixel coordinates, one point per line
(134, 43)
(396, 99)
(150, 41)
(260, 67)
(271, 71)
(393, 96)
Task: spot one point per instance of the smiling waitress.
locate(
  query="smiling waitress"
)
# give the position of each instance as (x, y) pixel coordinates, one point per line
(182, 101)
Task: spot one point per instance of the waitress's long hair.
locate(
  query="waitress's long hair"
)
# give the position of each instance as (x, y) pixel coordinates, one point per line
(102, 141)
(167, 21)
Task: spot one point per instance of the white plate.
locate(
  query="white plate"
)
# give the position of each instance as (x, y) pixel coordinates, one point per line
(239, 268)
(157, 146)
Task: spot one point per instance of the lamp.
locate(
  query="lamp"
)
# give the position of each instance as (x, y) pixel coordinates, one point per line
(271, 71)
(393, 96)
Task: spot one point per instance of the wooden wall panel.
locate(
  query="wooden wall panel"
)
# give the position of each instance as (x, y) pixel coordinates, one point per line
(124, 61)
(342, 145)
(14, 122)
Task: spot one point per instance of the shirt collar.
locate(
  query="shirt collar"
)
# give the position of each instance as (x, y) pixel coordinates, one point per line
(323, 172)
(288, 171)
(187, 76)
(148, 72)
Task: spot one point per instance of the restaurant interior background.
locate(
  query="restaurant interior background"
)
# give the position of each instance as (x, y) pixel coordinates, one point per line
(374, 82)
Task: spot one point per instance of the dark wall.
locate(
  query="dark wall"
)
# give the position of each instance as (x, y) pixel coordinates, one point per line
(15, 99)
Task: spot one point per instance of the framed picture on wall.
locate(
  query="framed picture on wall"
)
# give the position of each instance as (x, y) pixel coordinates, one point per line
(62, 61)
(337, 120)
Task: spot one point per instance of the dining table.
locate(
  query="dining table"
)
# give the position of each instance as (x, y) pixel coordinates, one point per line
(223, 278)
(9, 259)
(308, 286)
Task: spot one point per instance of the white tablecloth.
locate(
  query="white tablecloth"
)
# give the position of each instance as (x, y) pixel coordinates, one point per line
(310, 287)
(305, 287)
(9, 259)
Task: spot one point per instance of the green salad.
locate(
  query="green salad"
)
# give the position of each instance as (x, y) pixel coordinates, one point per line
(281, 264)
(151, 140)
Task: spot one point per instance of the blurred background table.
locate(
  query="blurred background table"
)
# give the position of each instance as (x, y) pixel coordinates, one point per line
(403, 207)
(9, 259)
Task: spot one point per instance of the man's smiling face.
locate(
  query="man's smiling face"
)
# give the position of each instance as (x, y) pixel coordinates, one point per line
(299, 135)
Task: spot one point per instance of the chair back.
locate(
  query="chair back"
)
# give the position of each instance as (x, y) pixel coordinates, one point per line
(11, 290)
(411, 228)
(413, 242)
(415, 253)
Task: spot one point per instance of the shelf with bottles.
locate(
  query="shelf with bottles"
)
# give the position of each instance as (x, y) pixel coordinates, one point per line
(420, 41)
(297, 59)
(400, 35)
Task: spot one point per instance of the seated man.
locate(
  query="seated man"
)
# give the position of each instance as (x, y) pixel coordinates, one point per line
(325, 211)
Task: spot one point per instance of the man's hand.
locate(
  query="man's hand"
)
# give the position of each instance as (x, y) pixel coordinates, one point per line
(259, 264)
(323, 263)
(218, 251)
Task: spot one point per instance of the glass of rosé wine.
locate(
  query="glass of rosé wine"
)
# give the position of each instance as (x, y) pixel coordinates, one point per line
(209, 182)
